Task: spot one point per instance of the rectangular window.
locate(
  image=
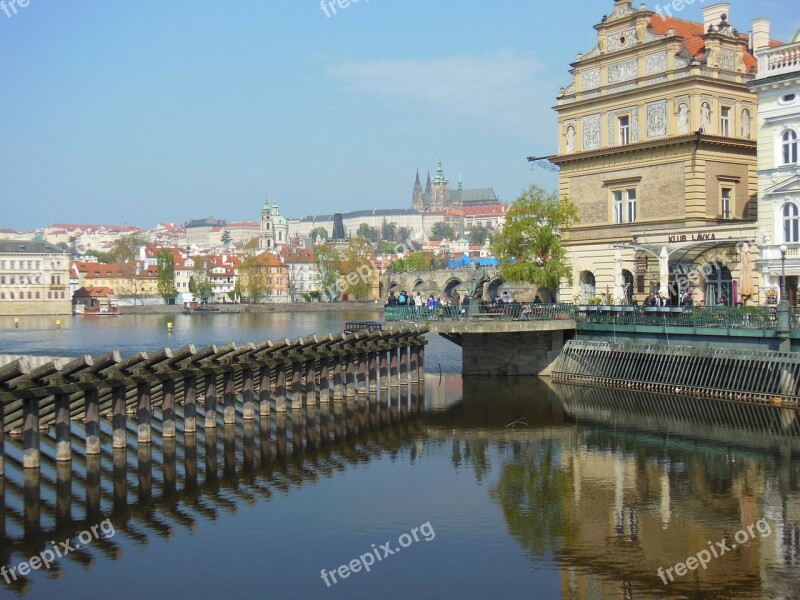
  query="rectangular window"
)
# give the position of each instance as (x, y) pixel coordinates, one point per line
(725, 122)
(632, 206)
(727, 200)
(617, 208)
(624, 130)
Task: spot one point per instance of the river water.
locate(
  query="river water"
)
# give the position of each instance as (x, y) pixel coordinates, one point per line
(498, 488)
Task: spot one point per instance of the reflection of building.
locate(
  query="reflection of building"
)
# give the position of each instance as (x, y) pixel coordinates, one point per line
(34, 279)
(778, 87)
(656, 149)
(437, 194)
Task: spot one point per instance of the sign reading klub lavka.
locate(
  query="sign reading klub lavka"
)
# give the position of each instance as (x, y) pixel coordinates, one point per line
(693, 237)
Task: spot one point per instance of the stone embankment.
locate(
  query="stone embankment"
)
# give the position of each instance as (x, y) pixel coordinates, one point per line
(276, 307)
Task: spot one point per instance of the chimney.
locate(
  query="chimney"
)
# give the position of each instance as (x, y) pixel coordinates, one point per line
(760, 34)
(712, 15)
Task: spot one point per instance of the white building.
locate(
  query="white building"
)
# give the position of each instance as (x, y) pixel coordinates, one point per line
(302, 273)
(778, 87)
(34, 279)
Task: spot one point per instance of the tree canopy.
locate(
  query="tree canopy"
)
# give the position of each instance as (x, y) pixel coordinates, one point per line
(165, 274)
(442, 231)
(532, 237)
(329, 264)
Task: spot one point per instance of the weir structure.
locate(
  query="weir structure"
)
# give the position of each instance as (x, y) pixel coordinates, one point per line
(190, 385)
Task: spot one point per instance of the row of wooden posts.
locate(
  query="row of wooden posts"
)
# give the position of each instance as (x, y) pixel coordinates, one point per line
(268, 376)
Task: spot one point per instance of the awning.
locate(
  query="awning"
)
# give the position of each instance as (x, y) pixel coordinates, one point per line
(791, 271)
(688, 252)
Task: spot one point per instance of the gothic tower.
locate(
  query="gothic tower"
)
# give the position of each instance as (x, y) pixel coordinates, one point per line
(417, 199)
(440, 190)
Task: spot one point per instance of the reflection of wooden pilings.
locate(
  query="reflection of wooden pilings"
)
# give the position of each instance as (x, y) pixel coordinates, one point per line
(324, 424)
(338, 392)
(211, 459)
(228, 397)
(31, 496)
(229, 451)
(384, 369)
(248, 445)
(144, 473)
(280, 387)
(93, 489)
(168, 408)
(264, 440)
(2, 452)
(170, 467)
(30, 433)
(393, 375)
(143, 409)
(350, 375)
(248, 408)
(349, 417)
(403, 401)
(211, 401)
(361, 410)
(64, 494)
(338, 418)
(264, 389)
(190, 403)
(190, 461)
(281, 443)
(297, 432)
(311, 427)
(120, 480)
(63, 429)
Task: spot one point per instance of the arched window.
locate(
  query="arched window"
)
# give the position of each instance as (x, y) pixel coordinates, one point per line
(789, 139)
(588, 284)
(719, 286)
(790, 223)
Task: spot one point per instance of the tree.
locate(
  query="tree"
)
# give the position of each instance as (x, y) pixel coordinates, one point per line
(204, 288)
(235, 294)
(319, 233)
(442, 231)
(125, 248)
(478, 235)
(165, 274)
(388, 231)
(403, 234)
(356, 269)
(253, 277)
(417, 261)
(531, 237)
(329, 264)
(226, 237)
(368, 232)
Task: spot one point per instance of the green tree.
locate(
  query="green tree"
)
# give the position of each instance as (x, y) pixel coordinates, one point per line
(125, 248)
(442, 231)
(356, 268)
(226, 237)
(403, 234)
(253, 278)
(329, 264)
(319, 233)
(532, 237)
(165, 274)
(235, 294)
(478, 235)
(388, 231)
(367, 232)
(417, 261)
(201, 273)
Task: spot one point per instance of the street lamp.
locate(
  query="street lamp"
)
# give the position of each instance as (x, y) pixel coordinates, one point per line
(784, 249)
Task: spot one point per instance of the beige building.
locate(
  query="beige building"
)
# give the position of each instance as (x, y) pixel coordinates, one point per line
(778, 87)
(34, 279)
(657, 149)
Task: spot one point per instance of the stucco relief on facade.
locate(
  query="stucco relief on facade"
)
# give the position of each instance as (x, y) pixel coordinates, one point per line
(633, 111)
(655, 63)
(621, 40)
(727, 60)
(657, 119)
(623, 71)
(591, 79)
(591, 132)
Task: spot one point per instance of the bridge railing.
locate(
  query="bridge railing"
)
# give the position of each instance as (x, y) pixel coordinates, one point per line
(512, 311)
(724, 317)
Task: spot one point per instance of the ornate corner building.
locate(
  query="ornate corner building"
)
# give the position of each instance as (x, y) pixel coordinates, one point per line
(657, 149)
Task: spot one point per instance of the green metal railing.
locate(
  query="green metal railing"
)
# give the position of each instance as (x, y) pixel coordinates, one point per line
(721, 317)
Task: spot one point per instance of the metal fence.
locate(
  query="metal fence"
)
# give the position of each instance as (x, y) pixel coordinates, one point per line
(722, 317)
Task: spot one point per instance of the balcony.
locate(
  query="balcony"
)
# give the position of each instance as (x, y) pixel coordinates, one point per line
(778, 61)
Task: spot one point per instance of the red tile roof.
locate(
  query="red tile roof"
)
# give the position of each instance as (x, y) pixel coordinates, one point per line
(692, 34)
(94, 292)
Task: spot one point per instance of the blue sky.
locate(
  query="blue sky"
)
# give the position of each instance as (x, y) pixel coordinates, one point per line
(147, 111)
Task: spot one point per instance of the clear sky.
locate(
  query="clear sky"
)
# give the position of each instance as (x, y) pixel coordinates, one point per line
(122, 111)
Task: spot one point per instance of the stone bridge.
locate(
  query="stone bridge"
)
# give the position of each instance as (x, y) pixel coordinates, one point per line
(441, 282)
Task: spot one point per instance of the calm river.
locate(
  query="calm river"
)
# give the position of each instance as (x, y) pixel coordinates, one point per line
(497, 489)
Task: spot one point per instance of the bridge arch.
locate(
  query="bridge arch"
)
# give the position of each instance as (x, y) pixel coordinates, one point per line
(494, 287)
(451, 284)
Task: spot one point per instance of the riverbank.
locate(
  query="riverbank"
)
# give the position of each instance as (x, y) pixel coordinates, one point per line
(282, 307)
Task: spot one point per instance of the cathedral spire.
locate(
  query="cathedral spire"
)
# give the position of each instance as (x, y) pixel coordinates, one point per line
(416, 183)
(428, 184)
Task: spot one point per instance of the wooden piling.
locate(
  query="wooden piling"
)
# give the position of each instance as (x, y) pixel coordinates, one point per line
(30, 433)
(264, 385)
(168, 408)
(228, 397)
(210, 401)
(248, 408)
(190, 403)
(119, 424)
(143, 412)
